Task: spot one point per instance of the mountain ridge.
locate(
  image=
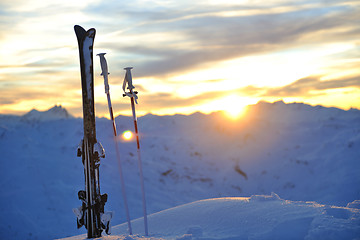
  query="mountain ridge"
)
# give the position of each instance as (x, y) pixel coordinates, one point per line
(59, 112)
(55, 113)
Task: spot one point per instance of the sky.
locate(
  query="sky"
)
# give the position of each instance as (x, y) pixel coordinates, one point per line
(187, 56)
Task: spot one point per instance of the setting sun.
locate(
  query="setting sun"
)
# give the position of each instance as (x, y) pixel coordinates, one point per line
(235, 113)
(233, 105)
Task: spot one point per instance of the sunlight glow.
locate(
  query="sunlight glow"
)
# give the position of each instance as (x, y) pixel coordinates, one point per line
(235, 114)
(234, 106)
(270, 70)
(127, 135)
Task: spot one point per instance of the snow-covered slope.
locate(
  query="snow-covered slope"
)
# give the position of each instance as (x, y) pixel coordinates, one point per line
(302, 153)
(255, 217)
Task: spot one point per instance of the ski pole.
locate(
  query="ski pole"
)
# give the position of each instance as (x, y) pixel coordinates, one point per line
(133, 99)
(105, 74)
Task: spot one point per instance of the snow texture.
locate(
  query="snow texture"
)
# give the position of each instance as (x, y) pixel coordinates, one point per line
(256, 217)
(306, 155)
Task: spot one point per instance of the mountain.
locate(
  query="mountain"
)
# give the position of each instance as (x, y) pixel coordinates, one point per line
(301, 152)
(54, 113)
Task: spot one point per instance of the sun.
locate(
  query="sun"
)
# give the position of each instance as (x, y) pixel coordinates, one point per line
(234, 106)
(235, 113)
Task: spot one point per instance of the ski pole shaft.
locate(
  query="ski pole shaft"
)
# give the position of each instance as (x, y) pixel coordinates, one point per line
(140, 166)
(123, 186)
(105, 73)
(120, 167)
(111, 114)
(133, 96)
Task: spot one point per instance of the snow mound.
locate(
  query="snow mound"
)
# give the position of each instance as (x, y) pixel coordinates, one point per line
(272, 197)
(54, 113)
(246, 218)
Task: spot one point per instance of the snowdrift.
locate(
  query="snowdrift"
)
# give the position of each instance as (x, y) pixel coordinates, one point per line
(255, 217)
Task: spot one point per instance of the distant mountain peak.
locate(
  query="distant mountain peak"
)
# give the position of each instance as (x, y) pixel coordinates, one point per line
(54, 113)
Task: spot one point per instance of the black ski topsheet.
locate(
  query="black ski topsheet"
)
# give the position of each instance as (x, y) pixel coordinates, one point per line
(86, 42)
(91, 168)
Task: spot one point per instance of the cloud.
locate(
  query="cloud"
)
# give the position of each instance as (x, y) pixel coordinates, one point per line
(304, 87)
(161, 39)
(25, 94)
(211, 37)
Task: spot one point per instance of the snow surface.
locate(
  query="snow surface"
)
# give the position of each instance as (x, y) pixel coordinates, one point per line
(256, 217)
(300, 152)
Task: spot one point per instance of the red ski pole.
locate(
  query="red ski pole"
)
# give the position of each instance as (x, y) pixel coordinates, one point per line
(133, 99)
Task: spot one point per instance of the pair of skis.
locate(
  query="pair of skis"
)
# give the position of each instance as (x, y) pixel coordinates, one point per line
(91, 213)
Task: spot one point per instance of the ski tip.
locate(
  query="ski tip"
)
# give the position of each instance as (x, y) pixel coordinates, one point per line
(91, 31)
(81, 32)
(79, 28)
(128, 68)
(100, 54)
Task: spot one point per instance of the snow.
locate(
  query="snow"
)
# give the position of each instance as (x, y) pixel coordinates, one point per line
(255, 217)
(205, 177)
(54, 113)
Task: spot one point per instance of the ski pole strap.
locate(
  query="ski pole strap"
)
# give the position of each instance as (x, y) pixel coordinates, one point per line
(129, 94)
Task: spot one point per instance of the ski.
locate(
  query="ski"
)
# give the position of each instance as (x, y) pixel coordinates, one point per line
(133, 99)
(91, 213)
(105, 73)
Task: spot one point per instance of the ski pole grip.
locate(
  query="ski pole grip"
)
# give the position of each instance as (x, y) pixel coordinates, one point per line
(103, 64)
(104, 70)
(128, 79)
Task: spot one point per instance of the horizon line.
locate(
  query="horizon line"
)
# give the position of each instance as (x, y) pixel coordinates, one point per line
(177, 113)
